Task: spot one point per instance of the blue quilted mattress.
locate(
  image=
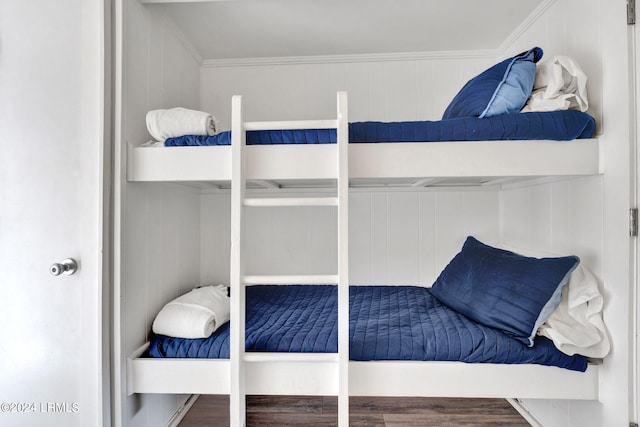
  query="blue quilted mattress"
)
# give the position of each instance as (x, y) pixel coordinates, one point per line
(553, 125)
(386, 323)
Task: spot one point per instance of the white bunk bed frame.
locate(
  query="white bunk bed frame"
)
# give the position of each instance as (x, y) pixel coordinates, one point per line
(333, 374)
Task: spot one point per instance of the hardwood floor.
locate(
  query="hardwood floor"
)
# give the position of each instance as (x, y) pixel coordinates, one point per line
(280, 411)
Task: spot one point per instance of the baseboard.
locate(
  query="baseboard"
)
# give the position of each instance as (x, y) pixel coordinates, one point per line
(522, 410)
(182, 411)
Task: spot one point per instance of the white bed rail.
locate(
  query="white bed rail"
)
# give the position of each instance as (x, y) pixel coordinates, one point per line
(240, 362)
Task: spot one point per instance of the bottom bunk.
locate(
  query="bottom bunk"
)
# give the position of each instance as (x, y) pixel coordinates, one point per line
(295, 376)
(403, 342)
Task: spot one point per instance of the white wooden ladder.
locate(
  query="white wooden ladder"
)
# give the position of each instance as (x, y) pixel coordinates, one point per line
(239, 280)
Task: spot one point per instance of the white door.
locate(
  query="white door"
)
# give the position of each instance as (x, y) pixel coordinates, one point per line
(51, 199)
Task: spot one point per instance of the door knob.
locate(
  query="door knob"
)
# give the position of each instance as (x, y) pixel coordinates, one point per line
(67, 267)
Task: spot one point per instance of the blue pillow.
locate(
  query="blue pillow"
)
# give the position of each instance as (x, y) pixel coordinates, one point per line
(503, 290)
(502, 89)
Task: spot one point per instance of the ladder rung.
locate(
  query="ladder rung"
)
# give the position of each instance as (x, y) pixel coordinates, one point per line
(294, 124)
(290, 357)
(291, 280)
(291, 201)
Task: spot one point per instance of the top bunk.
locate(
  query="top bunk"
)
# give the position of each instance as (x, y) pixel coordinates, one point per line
(494, 132)
(389, 163)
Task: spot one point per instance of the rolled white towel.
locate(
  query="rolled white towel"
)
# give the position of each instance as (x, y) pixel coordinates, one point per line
(196, 314)
(163, 124)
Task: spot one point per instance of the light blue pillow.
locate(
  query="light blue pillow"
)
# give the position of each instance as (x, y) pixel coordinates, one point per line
(503, 290)
(501, 89)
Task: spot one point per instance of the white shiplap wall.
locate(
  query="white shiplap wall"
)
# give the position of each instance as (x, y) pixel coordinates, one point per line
(160, 222)
(394, 238)
(568, 217)
(564, 217)
(418, 89)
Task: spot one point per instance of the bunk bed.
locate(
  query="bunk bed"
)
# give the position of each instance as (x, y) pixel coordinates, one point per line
(483, 139)
(328, 373)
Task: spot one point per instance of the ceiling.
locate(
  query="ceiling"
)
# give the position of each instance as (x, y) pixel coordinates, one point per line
(284, 28)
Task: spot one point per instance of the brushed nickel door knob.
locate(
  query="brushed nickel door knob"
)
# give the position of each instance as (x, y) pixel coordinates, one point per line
(66, 267)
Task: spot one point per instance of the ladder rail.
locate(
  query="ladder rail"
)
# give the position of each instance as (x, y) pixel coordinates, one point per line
(237, 397)
(343, 259)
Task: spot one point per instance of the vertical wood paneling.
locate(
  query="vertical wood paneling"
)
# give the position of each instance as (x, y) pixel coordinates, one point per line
(480, 215)
(425, 92)
(400, 90)
(161, 239)
(379, 243)
(557, 33)
(289, 242)
(377, 100)
(322, 81)
(514, 217)
(560, 217)
(170, 74)
(134, 270)
(358, 87)
(360, 249)
(403, 244)
(427, 234)
(395, 238)
(539, 217)
(586, 214)
(259, 236)
(322, 256)
(215, 239)
(383, 91)
(137, 72)
(154, 242)
(449, 226)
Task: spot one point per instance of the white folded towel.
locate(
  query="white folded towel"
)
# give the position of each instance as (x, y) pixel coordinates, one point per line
(560, 85)
(163, 124)
(196, 314)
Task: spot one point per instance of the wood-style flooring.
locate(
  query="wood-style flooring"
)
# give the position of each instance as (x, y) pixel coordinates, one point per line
(281, 411)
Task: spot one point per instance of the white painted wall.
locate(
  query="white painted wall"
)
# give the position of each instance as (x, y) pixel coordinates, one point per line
(159, 236)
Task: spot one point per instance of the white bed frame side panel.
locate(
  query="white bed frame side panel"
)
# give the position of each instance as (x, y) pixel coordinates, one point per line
(397, 160)
(373, 378)
(458, 379)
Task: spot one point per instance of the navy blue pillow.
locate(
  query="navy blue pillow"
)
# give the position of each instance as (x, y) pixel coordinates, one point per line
(502, 89)
(502, 289)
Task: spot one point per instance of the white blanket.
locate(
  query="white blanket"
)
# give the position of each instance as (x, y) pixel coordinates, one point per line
(196, 314)
(163, 124)
(576, 327)
(560, 85)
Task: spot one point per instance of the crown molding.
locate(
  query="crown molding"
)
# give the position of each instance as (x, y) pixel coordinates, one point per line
(523, 27)
(333, 59)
